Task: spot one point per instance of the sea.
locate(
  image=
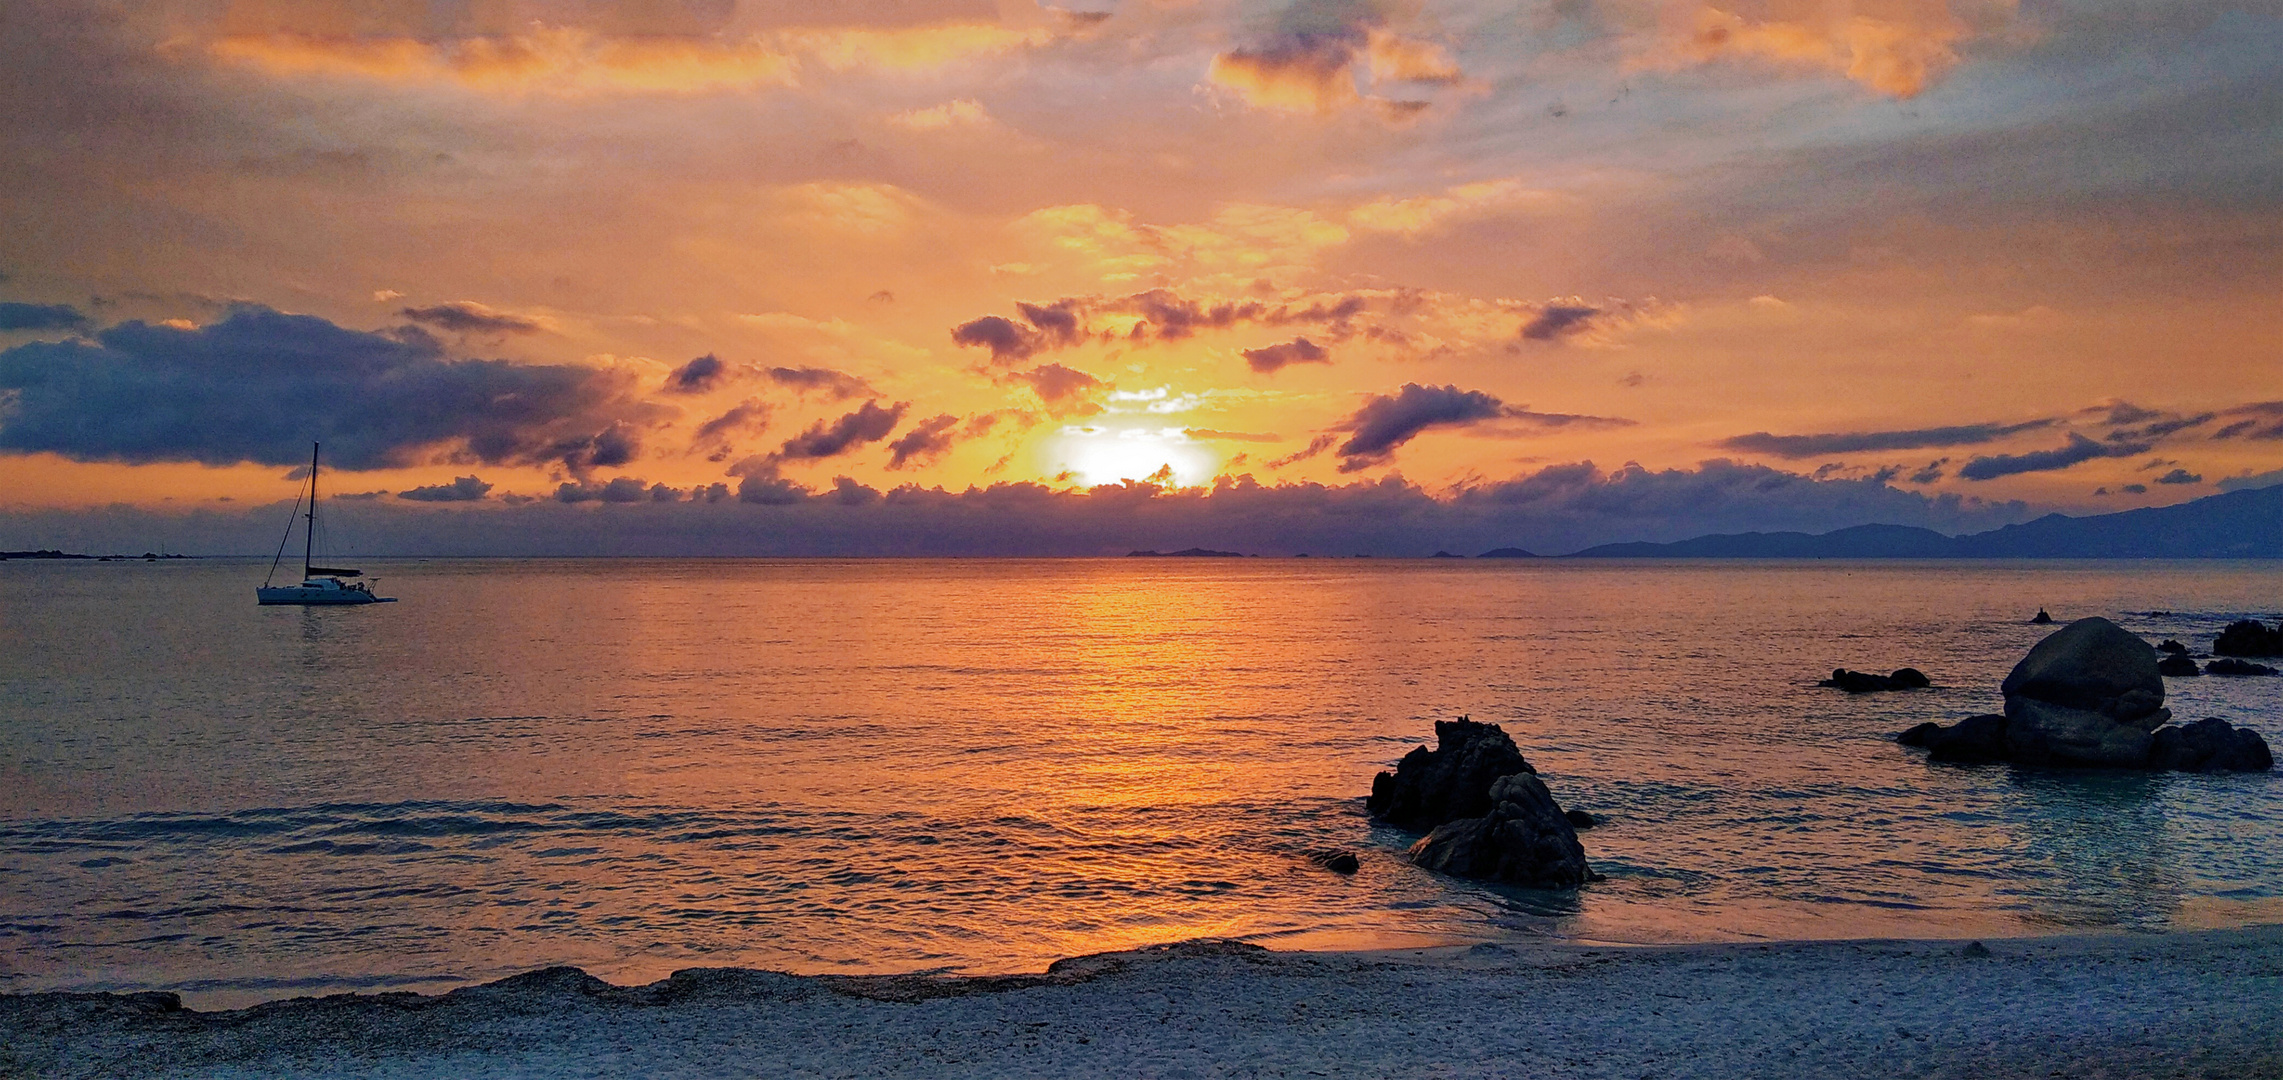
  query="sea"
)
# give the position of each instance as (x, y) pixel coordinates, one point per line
(981, 766)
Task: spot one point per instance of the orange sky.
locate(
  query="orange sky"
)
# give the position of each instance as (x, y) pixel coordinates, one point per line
(1586, 230)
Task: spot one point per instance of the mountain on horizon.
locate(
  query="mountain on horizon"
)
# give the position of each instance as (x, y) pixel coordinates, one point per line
(2236, 525)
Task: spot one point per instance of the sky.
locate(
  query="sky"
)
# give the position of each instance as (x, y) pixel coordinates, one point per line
(743, 276)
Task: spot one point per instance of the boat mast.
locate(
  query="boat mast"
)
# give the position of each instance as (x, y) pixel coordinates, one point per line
(309, 535)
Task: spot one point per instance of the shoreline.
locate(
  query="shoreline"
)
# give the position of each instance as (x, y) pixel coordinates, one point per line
(2188, 1003)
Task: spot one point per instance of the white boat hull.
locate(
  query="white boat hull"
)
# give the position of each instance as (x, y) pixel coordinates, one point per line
(316, 591)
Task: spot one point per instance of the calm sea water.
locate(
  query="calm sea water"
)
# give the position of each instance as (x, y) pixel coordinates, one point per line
(869, 766)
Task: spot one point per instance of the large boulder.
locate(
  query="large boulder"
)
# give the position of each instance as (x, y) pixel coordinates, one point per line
(1430, 787)
(2248, 637)
(2092, 665)
(1524, 840)
(2042, 733)
(2209, 745)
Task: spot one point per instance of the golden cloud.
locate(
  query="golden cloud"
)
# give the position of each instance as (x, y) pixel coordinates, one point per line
(1896, 47)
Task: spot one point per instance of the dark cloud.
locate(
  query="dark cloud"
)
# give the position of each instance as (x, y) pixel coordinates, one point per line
(1556, 321)
(868, 424)
(713, 436)
(1315, 446)
(1271, 358)
(839, 385)
(461, 489)
(468, 317)
(697, 376)
(261, 385)
(2134, 489)
(41, 317)
(927, 440)
(2180, 476)
(2266, 421)
(2125, 412)
(846, 491)
(2078, 450)
(1386, 422)
(1008, 341)
(1931, 473)
(1056, 383)
(1555, 509)
(2161, 428)
(1800, 446)
(622, 489)
(1162, 315)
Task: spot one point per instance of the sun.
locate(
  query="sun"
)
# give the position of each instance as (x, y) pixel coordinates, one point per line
(1107, 456)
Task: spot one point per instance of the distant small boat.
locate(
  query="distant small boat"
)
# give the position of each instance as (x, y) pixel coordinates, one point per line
(319, 584)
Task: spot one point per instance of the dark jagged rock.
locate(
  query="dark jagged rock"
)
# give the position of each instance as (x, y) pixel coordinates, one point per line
(1864, 682)
(1430, 787)
(2173, 647)
(2209, 745)
(2042, 617)
(2249, 637)
(1338, 862)
(2177, 666)
(1579, 819)
(2231, 666)
(1976, 740)
(1919, 734)
(1524, 840)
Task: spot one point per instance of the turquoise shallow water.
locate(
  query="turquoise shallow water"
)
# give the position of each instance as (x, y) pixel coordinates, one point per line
(638, 766)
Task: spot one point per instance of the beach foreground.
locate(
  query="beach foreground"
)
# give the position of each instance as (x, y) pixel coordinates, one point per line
(2200, 1004)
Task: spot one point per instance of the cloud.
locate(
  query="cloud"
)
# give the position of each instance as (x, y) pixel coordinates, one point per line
(1044, 326)
(962, 113)
(1310, 62)
(868, 424)
(469, 317)
(1159, 315)
(839, 385)
(1271, 358)
(2078, 450)
(927, 440)
(2249, 482)
(2266, 422)
(40, 317)
(1801, 446)
(698, 376)
(261, 385)
(1559, 320)
(747, 417)
(2180, 476)
(1231, 436)
(1386, 422)
(461, 489)
(1896, 47)
(622, 489)
(1056, 384)
(1315, 446)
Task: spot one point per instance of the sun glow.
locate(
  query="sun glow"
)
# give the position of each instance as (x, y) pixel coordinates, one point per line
(1107, 456)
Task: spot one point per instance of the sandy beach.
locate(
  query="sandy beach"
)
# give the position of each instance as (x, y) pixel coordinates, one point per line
(2202, 1004)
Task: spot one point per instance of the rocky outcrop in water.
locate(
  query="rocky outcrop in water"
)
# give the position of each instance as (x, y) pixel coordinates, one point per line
(1865, 682)
(2176, 666)
(2091, 696)
(1486, 813)
(2230, 666)
(2249, 637)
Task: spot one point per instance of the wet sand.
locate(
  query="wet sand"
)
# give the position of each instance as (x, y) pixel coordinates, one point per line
(2200, 1004)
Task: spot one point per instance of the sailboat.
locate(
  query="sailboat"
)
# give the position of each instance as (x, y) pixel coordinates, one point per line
(319, 584)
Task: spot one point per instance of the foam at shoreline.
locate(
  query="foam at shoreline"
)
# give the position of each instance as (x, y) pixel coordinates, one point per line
(2182, 1004)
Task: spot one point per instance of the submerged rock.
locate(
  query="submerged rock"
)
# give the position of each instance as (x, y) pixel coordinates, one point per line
(2230, 666)
(1579, 819)
(1338, 862)
(1524, 840)
(2173, 647)
(2248, 637)
(1976, 740)
(2177, 666)
(1864, 682)
(1430, 787)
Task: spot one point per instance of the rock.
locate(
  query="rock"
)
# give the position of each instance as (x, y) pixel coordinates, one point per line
(1430, 787)
(2177, 666)
(1864, 682)
(2209, 745)
(2229, 666)
(1975, 740)
(1524, 840)
(1338, 862)
(1579, 819)
(2043, 733)
(2091, 665)
(2173, 647)
(1975, 950)
(2248, 637)
(2041, 618)
(1919, 735)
